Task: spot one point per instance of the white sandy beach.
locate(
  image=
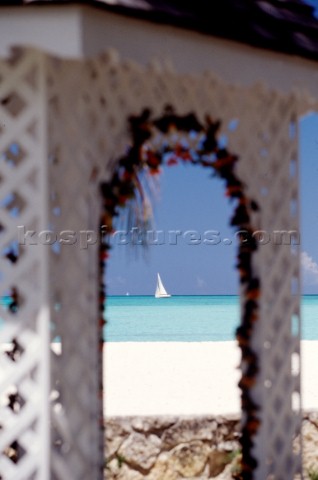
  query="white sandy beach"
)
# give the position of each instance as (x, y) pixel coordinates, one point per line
(185, 378)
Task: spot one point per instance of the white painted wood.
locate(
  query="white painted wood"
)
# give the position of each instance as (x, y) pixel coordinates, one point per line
(54, 29)
(193, 52)
(23, 122)
(81, 31)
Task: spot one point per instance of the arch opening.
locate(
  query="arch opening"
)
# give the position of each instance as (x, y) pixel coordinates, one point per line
(171, 139)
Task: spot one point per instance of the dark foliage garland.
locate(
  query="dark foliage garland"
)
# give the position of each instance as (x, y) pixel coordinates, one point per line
(123, 187)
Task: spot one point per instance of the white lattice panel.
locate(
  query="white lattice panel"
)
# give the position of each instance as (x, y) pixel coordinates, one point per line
(55, 175)
(24, 435)
(274, 184)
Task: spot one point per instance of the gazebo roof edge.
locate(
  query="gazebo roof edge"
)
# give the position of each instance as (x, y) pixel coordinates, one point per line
(285, 26)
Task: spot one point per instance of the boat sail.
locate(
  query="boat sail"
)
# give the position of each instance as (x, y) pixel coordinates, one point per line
(160, 290)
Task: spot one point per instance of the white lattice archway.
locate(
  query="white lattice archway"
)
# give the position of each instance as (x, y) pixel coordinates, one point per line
(62, 124)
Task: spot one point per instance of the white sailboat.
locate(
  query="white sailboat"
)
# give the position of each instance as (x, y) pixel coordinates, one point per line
(160, 290)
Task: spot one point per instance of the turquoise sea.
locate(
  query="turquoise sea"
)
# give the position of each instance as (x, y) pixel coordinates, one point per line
(186, 318)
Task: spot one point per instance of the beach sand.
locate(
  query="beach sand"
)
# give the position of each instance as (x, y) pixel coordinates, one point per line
(167, 378)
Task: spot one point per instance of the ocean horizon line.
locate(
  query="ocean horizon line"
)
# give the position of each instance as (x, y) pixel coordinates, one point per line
(196, 295)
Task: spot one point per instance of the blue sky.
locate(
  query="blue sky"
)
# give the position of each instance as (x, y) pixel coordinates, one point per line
(309, 201)
(189, 200)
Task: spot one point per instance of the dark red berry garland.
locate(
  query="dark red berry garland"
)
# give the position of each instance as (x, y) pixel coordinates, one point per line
(123, 187)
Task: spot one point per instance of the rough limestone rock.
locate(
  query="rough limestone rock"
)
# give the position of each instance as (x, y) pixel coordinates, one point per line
(116, 432)
(227, 431)
(187, 430)
(310, 442)
(184, 461)
(169, 448)
(190, 459)
(119, 471)
(163, 469)
(140, 451)
(152, 424)
(226, 474)
(217, 462)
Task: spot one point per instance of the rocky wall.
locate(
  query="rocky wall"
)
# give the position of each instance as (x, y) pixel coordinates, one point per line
(171, 448)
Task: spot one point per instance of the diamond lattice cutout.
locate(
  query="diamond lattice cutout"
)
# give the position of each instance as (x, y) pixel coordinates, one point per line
(12, 252)
(15, 351)
(14, 154)
(15, 452)
(13, 104)
(14, 204)
(15, 402)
